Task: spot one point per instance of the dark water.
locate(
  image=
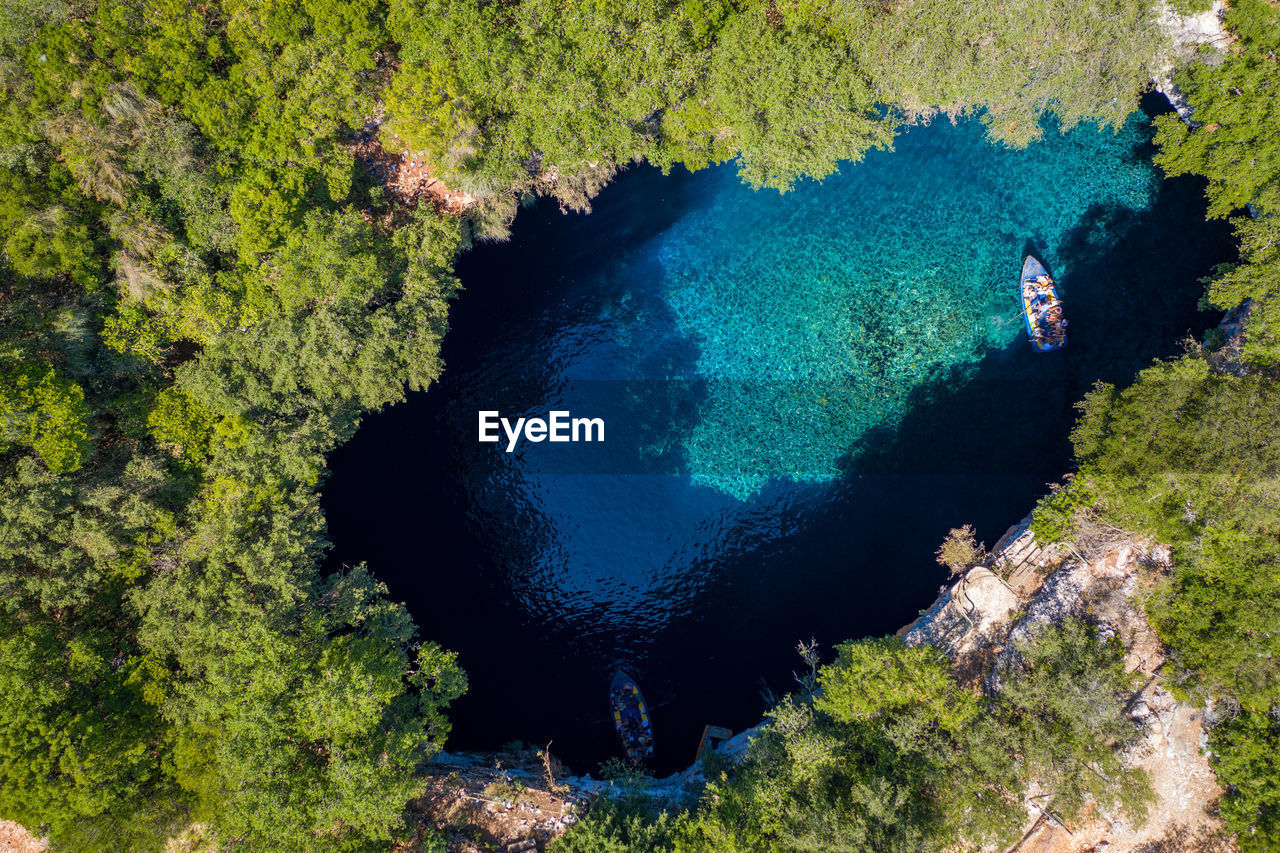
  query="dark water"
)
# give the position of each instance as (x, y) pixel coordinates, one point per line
(802, 393)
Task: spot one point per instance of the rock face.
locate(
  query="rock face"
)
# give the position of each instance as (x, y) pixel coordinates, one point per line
(1230, 358)
(981, 618)
(966, 619)
(15, 839)
(508, 801)
(1187, 33)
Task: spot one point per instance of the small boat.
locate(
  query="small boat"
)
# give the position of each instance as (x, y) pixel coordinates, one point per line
(631, 717)
(1041, 308)
(712, 737)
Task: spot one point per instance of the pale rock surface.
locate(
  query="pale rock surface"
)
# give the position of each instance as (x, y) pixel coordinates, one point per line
(15, 839)
(1187, 33)
(966, 614)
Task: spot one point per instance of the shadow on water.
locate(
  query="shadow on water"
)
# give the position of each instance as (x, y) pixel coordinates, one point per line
(396, 497)
(856, 559)
(976, 448)
(1131, 296)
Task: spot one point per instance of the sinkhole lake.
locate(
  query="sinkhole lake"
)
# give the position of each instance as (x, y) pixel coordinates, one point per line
(801, 394)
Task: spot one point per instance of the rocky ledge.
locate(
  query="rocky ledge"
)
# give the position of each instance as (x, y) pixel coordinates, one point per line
(1187, 35)
(993, 607)
(976, 621)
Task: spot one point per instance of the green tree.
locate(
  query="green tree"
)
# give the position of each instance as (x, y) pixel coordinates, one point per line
(960, 549)
(1187, 454)
(1245, 749)
(891, 754)
(47, 413)
(301, 718)
(82, 752)
(1218, 611)
(182, 425)
(787, 101)
(1009, 62)
(1236, 104)
(871, 679)
(48, 244)
(1255, 278)
(1065, 699)
(617, 826)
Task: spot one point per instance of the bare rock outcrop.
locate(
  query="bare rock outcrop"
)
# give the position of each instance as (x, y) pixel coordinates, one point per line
(14, 838)
(1187, 34)
(982, 618)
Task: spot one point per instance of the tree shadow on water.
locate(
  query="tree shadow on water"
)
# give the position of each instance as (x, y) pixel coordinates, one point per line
(1130, 283)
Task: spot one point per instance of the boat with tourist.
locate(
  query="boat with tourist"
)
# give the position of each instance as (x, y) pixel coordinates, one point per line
(1041, 308)
(631, 717)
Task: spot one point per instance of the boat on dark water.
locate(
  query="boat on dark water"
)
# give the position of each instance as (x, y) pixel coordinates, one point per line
(712, 738)
(1041, 308)
(631, 717)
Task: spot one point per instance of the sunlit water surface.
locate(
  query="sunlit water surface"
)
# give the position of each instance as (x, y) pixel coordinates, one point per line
(801, 393)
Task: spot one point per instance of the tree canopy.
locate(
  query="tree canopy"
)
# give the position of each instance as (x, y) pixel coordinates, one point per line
(204, 291)
(891, 753)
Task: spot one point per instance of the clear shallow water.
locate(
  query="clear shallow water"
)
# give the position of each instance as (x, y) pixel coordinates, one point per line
(817, 313)
(801, 394)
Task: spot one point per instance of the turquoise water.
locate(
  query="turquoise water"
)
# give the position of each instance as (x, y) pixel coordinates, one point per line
(802, 394)
(817, 313)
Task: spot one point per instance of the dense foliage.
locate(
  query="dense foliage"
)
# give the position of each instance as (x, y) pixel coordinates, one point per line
(196, 309)
(1235, 145)
(493, 93)
(890, 753)
(1190, 454)
(204, 291)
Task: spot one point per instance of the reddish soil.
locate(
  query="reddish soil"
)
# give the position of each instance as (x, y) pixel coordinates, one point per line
(495, 802)
(407, 177)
